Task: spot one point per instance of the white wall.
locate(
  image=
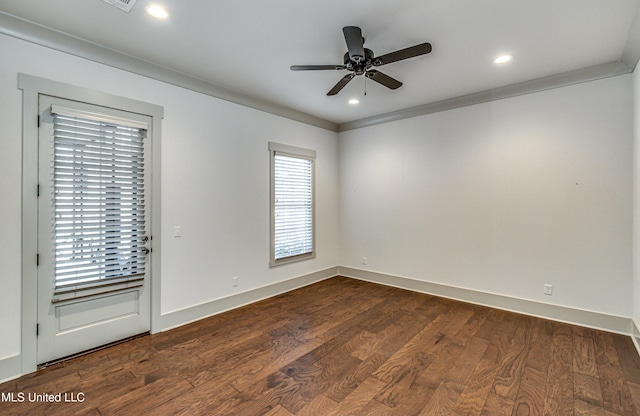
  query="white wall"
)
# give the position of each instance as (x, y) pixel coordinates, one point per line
(215, 184)
(500, 197)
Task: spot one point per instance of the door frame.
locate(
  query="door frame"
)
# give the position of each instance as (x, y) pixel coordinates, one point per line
(32, 87)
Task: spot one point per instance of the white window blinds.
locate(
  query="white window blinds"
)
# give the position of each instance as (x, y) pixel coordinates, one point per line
(98, 202)
(293, 204)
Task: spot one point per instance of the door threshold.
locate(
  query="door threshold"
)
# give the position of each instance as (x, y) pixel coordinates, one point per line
(92, 350)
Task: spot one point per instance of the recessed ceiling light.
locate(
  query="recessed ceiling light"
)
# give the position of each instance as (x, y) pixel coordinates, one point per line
(158, 12)
(354, 101)
(503, 59)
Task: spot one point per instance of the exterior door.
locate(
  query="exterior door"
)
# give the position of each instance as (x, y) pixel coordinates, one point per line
(93, 248)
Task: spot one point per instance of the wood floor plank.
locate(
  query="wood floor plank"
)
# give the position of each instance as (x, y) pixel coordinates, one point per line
(431, 333)
(103, 387)
(479, 385)
(471, 327)
(205, 399)
(358, 398)
(279, 411)
(629, 358)
(394, 391)
(333, 366)
(462, 369)
(497, 406)
(447, 393)
(582, 407)
(491, 324)
(408, 390)
(320, 405)
(147, 398)
(531, 392)
(265, 359)
(265, 395)
(415, 398)
(412, 400)
(443, 399)
(375, 408)
(584, 356)
(259, 358)
(322, 350)
(342, 347)
(530, 398)
(388, 341)
(613, 383)
(634, 390)
(587, 389)
(559, 393)
(508, 378)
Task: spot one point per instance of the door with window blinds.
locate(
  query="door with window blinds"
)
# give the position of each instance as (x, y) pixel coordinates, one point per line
(93, 240)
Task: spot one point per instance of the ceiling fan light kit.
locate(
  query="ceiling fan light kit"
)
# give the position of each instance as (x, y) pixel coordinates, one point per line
(360, 61)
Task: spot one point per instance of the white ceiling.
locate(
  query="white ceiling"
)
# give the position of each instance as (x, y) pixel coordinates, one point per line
(247, 46)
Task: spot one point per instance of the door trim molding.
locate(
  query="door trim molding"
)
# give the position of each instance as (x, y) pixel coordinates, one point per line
(32, 87)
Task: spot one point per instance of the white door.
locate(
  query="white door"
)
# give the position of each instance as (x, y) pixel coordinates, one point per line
(93, 248)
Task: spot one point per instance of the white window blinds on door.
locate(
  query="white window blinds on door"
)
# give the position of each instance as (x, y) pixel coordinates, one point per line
(98, 202)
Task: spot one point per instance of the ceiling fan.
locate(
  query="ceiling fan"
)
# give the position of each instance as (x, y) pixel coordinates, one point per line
(360, 61)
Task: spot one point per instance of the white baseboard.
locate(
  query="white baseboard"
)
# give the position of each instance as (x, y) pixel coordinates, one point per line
(590, 319)
(10, 368)
(197, 312)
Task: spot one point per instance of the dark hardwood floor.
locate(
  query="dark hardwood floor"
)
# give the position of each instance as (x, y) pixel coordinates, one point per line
(346, 347)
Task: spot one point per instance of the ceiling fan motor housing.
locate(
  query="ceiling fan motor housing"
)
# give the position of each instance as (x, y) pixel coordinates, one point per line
(361, 67)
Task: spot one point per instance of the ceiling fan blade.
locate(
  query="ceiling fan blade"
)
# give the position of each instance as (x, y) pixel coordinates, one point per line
(383, 79)
(410, 52)
(315, 67)
(340, 85)
(355, 42)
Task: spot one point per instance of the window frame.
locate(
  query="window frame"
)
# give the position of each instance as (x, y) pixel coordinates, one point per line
(300, 153)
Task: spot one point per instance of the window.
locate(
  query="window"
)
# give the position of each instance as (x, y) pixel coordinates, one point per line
(98, 204)
(292, 204)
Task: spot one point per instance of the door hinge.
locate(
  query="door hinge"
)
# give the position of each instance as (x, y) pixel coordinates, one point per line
(38, 190)
(37, 259)
(37, 329)
(38, 121)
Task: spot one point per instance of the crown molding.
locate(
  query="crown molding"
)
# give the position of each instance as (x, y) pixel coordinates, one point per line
(43, 36)
(541, 84)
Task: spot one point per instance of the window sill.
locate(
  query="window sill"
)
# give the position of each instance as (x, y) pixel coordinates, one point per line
(292, 259)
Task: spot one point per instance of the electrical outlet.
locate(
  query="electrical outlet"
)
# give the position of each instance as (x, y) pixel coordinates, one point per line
(364, 260)
(177, 231)
(548, 290)
(234, 281)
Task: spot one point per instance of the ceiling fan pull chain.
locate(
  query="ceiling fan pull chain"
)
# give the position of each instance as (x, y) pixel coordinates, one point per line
(365, 86)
